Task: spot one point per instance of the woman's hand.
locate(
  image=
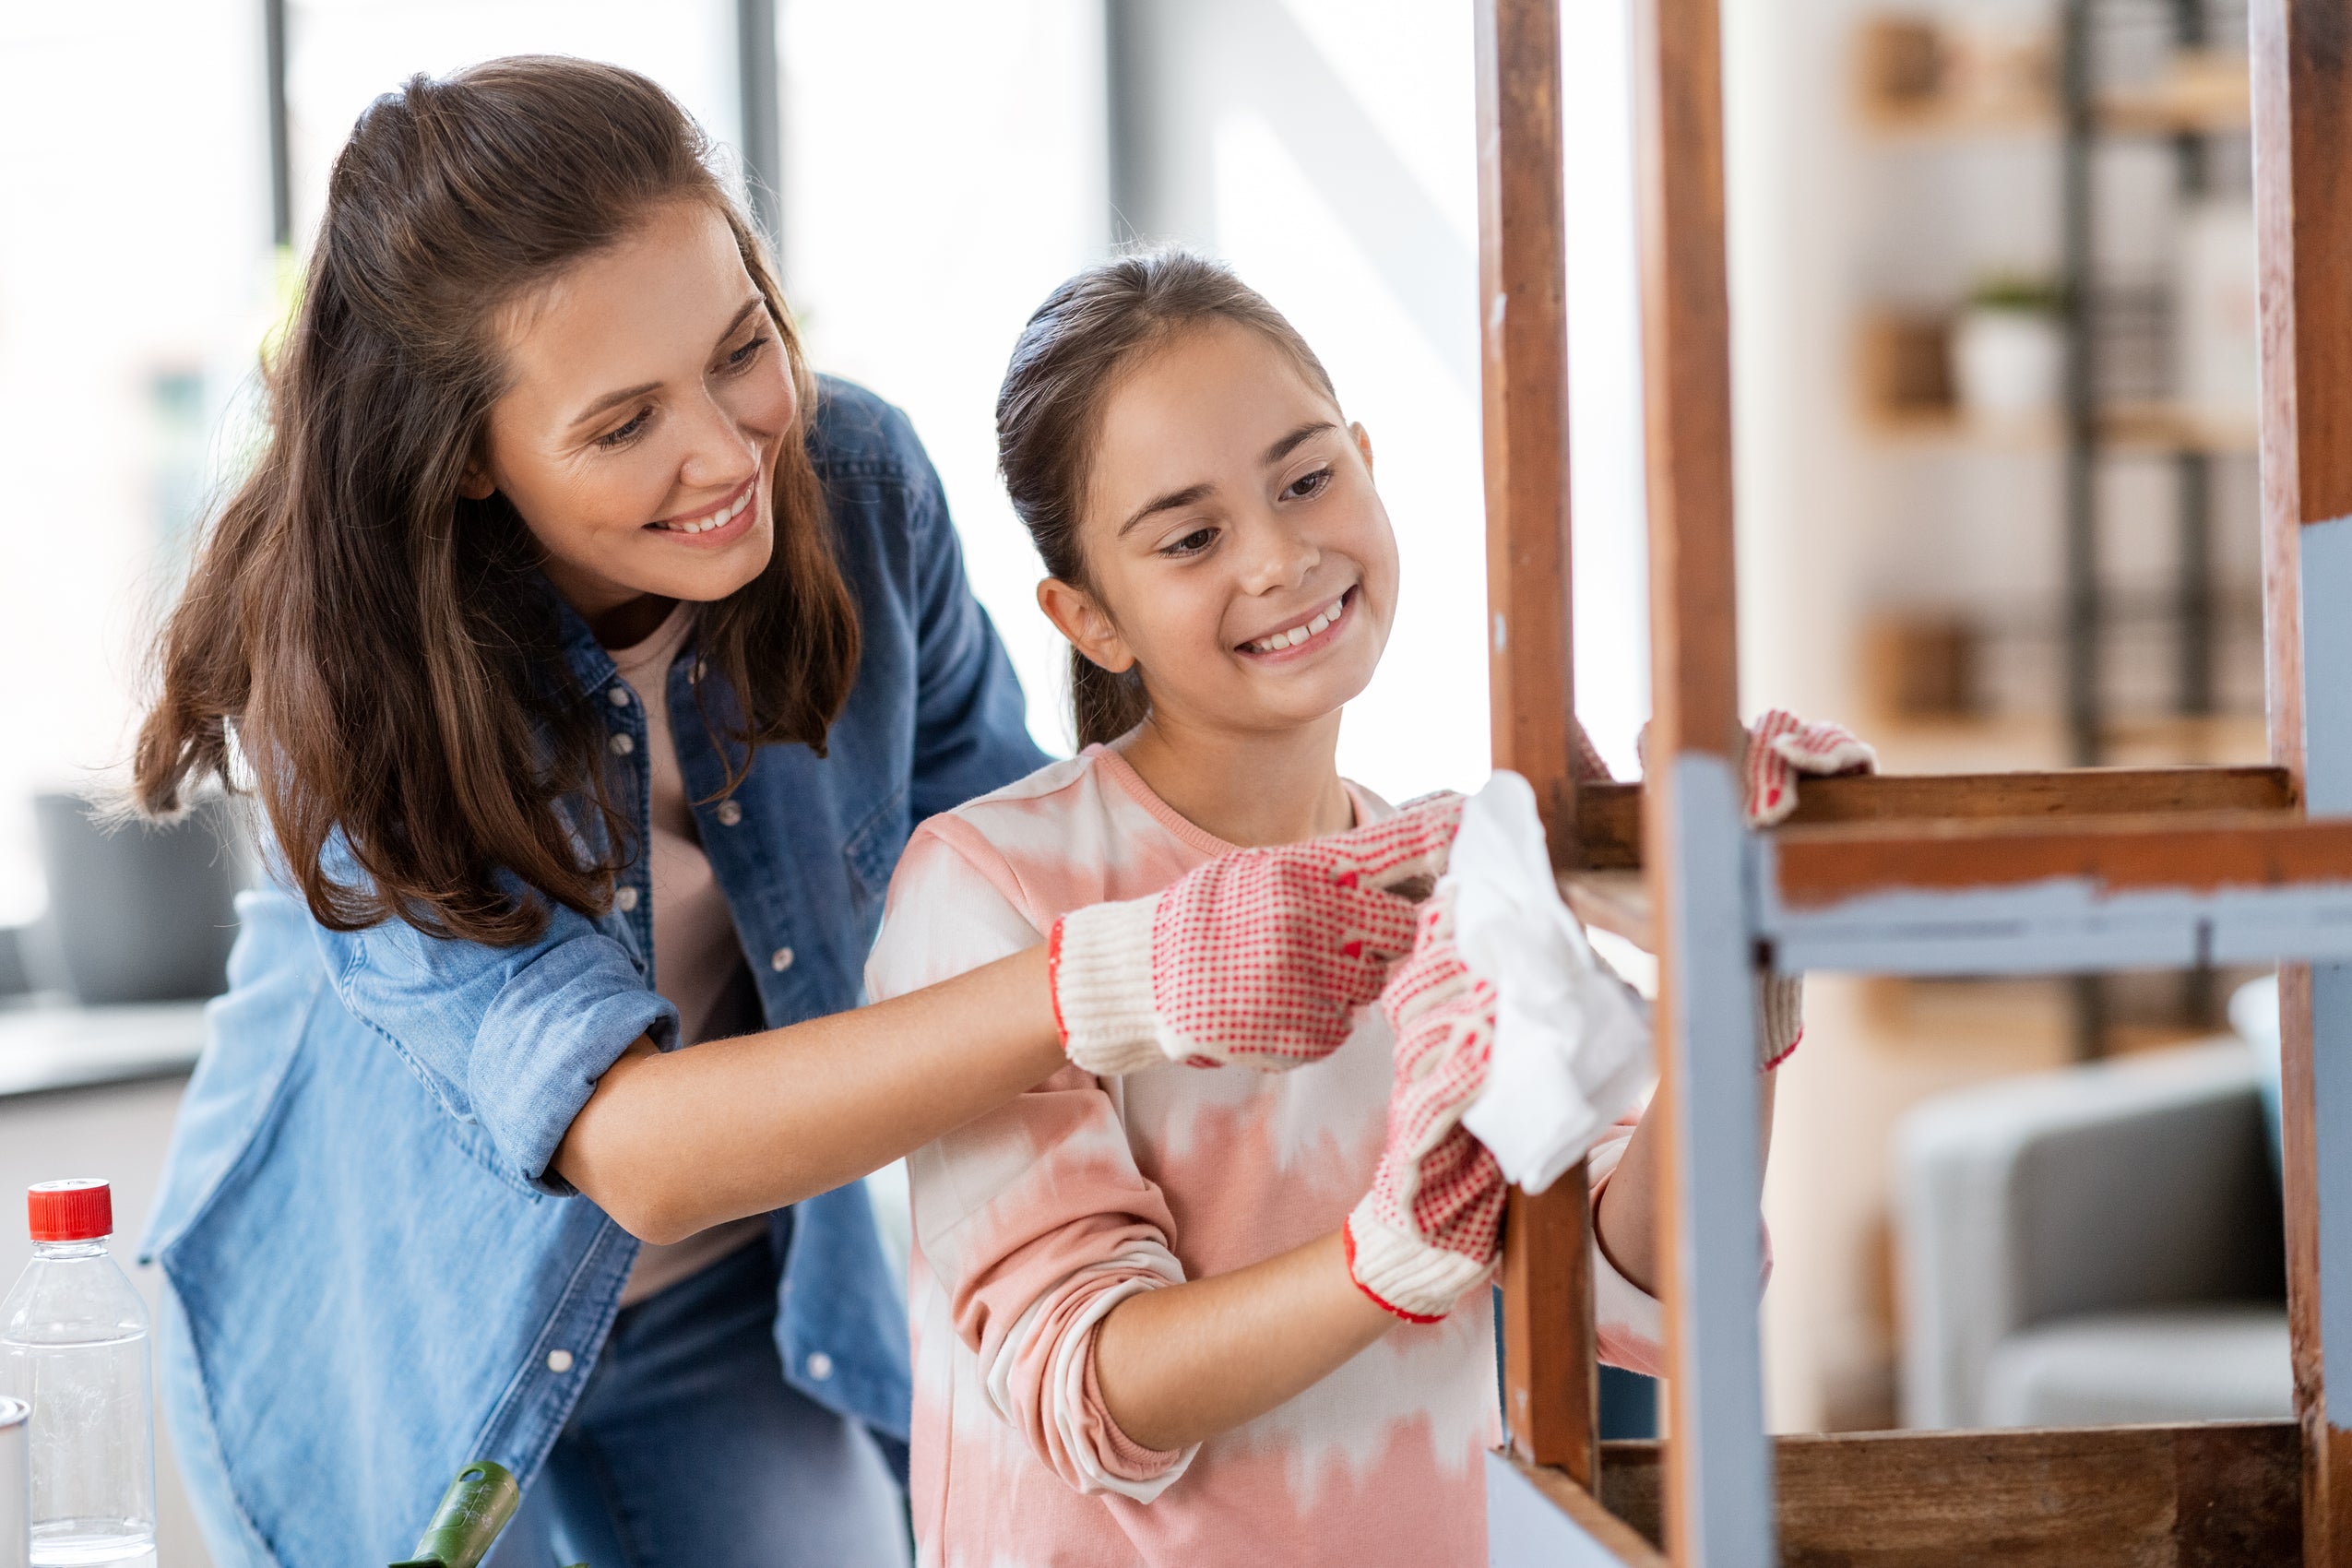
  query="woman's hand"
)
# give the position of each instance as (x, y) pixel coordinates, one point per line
(1259, 958)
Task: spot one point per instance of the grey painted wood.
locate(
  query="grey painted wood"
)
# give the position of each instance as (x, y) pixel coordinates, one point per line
(2062, 926)
(1719, 1397)
(2327, 588)
(1526, 1529)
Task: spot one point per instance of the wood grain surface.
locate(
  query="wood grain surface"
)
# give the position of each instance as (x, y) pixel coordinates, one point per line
(1549, 1365)
(1609, 816)
(2205, 852)
(2207, 1496)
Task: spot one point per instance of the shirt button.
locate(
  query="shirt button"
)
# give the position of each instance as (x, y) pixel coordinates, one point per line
(624, 899)
(729, 813)
(780, 961)
(618, 695)
(621, 744)
(820, 1365)
(559, 1361)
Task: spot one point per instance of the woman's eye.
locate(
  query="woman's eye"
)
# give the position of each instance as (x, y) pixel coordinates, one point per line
(742, 358)
(622, 435)
(1192, 543)
(1308, 484)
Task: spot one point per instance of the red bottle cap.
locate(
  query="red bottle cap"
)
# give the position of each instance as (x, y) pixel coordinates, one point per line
(79, 1210)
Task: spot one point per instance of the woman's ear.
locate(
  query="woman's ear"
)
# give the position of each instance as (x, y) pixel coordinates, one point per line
(474, 481)
(1077, 616)
(1363, 443)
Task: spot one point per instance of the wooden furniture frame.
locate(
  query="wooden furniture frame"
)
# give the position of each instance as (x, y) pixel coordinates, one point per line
(2058, 873)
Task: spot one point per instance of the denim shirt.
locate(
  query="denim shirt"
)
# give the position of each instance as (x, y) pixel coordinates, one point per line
(376, 1275)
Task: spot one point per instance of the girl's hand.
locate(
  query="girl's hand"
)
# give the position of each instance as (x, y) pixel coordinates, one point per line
(1259, 958)
(1780, 747)
(1431, 1226)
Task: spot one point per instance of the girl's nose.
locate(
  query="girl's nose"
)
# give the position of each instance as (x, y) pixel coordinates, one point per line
(1279, 558)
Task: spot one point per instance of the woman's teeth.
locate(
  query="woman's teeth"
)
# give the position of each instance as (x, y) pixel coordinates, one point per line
(1298, 634)
(720, 519)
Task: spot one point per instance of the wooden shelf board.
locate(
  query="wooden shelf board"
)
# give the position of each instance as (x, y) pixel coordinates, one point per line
(2191, 850)
(2203, 1496)
(2172, 890)
(2205, 92)
(1608, 816)
(1613, 901)
(2135, 427)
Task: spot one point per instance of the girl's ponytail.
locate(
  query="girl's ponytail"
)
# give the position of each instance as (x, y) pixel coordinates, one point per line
(1088, 331)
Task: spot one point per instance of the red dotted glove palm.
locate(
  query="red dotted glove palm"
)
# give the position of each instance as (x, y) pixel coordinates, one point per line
(1259, 958)
(1431, 1226)
(1781, 746)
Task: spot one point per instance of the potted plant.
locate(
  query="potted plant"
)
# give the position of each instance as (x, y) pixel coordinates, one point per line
(2009, 350)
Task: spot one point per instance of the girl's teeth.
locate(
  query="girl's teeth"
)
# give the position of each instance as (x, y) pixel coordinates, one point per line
(1298, 634)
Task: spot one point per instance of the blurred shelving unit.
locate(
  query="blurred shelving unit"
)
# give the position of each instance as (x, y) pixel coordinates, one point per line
(2136, 382)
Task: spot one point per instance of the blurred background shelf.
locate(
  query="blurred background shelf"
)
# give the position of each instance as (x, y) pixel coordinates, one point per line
(1918, 77)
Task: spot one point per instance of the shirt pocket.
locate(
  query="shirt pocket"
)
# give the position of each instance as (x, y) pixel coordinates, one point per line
(875, 847)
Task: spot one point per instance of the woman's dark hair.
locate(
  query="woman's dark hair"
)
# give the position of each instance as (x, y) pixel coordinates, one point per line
(381, 652)
(1090, 331)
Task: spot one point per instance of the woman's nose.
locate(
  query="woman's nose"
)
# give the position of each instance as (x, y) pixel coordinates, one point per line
(718, 451)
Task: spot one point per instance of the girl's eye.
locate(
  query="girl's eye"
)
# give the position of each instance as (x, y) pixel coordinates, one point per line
(743, 358)
(1308, 484)
(624, 435)
(1192, 543)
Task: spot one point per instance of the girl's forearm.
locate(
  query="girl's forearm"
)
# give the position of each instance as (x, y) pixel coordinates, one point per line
(671, 1144)
(1183, 1363)
(1626, 1219)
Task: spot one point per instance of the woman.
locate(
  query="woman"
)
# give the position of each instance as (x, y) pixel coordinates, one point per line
(592, 663)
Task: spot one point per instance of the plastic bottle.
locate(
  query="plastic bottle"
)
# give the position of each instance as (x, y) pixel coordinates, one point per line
(73, 1345)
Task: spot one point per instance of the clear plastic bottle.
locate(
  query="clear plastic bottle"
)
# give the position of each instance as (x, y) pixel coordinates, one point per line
(73, 1345)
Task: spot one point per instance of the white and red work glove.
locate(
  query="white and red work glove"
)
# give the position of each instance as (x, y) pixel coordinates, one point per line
(1780, 747)
(1259, 958)
(1431, 1226)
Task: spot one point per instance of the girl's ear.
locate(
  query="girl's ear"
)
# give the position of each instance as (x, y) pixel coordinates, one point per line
(475, 483)
(1077, 616)
(1363, 443)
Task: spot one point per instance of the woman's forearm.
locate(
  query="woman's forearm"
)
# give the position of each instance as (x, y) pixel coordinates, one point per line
(1626, 1219)
(673, 1143)
(1183, 1363)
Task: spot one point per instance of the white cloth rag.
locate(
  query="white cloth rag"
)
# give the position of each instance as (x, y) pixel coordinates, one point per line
(1571, 1041)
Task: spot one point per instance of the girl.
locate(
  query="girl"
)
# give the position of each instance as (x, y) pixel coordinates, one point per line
(1158, 1319)
(590, 660)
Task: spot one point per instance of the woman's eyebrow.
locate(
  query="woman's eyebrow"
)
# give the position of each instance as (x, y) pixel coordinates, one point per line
(626, 393)
(1289, 443)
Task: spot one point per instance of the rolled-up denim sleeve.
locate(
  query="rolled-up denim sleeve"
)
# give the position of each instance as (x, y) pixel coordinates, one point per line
(512, 1039)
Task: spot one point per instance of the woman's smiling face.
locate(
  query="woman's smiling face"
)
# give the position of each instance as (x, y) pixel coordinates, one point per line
(1234, 545)
(648, 397)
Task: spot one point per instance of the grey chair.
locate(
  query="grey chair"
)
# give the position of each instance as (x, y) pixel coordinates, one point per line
(2096, 1245)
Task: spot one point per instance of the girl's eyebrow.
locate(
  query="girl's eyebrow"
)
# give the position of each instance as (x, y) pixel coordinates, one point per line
(1175, 500)
(1289, 443)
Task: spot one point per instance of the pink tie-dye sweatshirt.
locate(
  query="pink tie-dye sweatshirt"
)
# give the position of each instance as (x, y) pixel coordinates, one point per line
(1034, 1221)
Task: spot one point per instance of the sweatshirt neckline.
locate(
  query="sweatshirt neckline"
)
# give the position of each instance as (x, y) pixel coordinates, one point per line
(1123, 773)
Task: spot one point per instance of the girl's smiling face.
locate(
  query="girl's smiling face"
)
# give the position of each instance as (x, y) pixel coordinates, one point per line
(1234, 546)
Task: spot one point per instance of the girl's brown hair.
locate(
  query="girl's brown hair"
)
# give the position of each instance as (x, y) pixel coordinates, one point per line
(381, 653)
(1089, 332)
